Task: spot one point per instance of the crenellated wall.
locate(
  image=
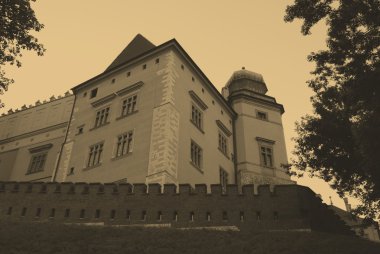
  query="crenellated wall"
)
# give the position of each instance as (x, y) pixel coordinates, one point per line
(289, 207)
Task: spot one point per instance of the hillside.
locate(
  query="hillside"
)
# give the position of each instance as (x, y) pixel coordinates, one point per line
(54, 238)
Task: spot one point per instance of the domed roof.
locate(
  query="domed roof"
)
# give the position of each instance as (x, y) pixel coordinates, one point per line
(246, 74)
(248, 80)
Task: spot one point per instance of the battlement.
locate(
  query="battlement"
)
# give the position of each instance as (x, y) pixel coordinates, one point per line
(36, 104)
(81, 188)
(286, 207)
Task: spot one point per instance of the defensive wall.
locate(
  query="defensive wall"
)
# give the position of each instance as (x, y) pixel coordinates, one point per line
(286, 207)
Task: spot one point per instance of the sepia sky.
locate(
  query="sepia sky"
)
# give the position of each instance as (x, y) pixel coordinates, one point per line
(83, 37)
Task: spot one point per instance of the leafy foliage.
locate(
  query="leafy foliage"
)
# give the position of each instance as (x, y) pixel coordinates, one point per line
(53, 237)
(17, 21)
(340, 142)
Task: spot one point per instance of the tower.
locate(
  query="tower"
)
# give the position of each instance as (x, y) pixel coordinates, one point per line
(259, 135)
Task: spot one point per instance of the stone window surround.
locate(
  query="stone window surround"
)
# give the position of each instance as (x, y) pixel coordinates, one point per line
(266, 143)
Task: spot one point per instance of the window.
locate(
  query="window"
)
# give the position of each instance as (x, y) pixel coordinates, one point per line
(196, 155)
(241, 216)
(175, 216)
(157, 60)
(97, 213)
(94, 92)
(124, 144)
(191, 216)
(143, 215)
(80, 129)
(112, 214)
(52, 213)
(208, 216)
(159, 216)
(223, 179)
(128, 74)
(266, 155)
(224, 216)
(144, 66)
(23, 212)
(37, 163)
(113, 81)
(197, 117)
(67, 213)
(129, 105)
(258, 215)
(95, 155)
(128, 215)
(82, 213)
(222, 143)
(102, 117)
(261, 115)
(38, 212)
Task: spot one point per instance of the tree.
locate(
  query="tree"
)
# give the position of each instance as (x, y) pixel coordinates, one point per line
(340, 141)
(17, 21)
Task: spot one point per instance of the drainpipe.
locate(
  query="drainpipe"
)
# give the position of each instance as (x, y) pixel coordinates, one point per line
(64, 142)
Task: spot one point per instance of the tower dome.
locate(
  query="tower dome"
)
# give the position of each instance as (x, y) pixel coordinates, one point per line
(246, 80)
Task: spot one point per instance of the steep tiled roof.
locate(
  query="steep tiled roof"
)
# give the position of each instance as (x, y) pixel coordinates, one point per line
(136, 47)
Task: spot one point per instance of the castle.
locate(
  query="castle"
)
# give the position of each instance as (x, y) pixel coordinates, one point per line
(151, 117)
(202, 158)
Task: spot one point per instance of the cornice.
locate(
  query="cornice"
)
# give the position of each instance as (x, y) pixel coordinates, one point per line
(223, 128)
(33, 133)
(198, 100)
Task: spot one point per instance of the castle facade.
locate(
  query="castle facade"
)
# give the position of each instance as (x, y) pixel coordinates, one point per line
(151, 117)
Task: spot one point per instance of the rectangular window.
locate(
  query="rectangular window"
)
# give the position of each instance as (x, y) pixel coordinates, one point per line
(196, 155)
(197, 117)
(95, 155)
(102, 117)
(124, 144)
(223, 144)
(37, 163)
(129, 105)
(261, 115)
(94, 92)
(266, 155)
(223, 179)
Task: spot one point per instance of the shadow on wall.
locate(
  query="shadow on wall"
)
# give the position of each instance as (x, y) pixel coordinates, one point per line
(288, 207)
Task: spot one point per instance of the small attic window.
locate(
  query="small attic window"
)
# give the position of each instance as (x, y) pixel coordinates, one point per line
(193, 79)
(144, 66)
(113, 81)
(182, 67)
(262, 115)
(157, 60)
(128, 74)
(94, 92)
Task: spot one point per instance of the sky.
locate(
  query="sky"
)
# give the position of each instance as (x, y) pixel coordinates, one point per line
(83, 37)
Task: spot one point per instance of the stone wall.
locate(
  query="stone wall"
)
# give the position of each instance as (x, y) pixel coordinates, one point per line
(288, 207)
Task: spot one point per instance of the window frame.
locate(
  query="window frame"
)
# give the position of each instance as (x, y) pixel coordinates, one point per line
(266, 144)
(104, 121)
(258, 112)
(223, 149)
(34, 160)
(123, 104)
(36, 153)
(197, 159)
(197, 121)
(90, 160)
(127, 144)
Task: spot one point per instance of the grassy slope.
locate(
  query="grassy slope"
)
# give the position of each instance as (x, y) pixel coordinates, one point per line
(50, 238)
